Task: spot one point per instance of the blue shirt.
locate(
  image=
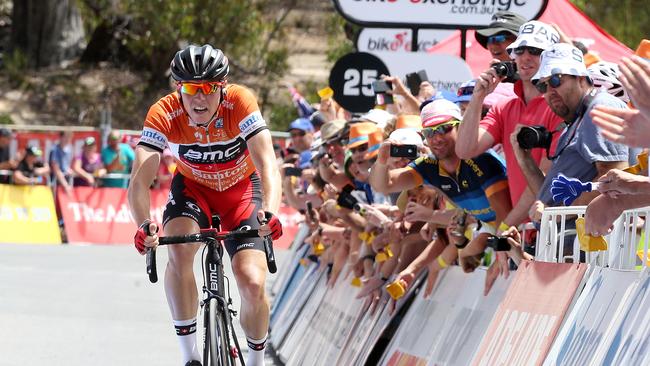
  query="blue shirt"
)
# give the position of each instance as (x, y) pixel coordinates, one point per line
(475, 180)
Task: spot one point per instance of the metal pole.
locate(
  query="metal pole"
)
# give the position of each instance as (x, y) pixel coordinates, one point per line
(463, 41)
(414, 40)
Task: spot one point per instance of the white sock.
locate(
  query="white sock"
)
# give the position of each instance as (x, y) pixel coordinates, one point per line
(256, 351)
(186, 334)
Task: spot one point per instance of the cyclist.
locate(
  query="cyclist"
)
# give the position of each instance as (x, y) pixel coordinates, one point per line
(226, 166)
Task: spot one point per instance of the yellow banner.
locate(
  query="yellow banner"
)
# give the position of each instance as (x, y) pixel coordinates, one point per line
(27, 215)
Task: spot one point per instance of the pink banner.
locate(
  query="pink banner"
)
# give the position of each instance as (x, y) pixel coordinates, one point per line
(102, 215)
(526, 323)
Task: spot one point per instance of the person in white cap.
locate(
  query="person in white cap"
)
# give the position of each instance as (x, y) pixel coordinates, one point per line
(475, 136)
(581, 153)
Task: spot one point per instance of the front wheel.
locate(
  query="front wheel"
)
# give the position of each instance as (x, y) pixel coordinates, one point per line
(217, 336)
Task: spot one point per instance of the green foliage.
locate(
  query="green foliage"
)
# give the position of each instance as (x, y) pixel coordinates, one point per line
(281, 115)
(5, 119)
(15, 64)
(338, 44)
(626, 20)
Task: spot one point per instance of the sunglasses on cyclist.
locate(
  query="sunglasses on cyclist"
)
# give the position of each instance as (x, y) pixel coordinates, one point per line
(554, 82)
(534, 51)
(499, 38)
(439, 130)
(205, 88)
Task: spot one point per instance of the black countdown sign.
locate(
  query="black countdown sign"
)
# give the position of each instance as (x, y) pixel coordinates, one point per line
(351, 79)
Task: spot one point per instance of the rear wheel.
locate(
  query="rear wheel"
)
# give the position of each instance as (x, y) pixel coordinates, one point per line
(217, 336)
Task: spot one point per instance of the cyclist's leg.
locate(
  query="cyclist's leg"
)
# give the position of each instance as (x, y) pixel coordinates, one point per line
(184, 214)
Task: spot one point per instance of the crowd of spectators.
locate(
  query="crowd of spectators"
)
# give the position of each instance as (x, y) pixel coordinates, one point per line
(64, 167)
(435, 180)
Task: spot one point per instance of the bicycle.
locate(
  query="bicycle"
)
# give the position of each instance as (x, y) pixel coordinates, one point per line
(220, 344)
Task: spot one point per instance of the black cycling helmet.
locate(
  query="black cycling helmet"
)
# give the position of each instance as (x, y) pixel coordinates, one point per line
(196, 63)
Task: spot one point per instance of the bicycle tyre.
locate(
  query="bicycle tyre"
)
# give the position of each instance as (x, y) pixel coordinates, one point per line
(218, 336)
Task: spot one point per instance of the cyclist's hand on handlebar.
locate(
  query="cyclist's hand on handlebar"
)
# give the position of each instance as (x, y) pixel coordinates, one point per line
(271, 225)
(146, 236)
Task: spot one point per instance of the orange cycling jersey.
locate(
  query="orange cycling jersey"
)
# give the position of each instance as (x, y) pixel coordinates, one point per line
(215, 155)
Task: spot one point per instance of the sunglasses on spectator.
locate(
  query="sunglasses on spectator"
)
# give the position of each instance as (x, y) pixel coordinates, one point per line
(499, 38)
(359, 149)
(534, 51)
(297, 133)
(554, 82)
(205, 88)
(466, 90)
(439, 130)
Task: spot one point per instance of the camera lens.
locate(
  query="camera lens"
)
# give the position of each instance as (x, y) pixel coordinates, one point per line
(530, 137)
(501, 69)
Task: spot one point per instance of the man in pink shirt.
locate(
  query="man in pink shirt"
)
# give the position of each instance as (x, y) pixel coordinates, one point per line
(529, 108)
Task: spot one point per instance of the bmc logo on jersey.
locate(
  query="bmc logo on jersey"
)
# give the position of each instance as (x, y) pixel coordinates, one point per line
(213, 153)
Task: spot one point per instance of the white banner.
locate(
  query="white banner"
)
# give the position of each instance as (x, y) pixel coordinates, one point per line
(433, 13)
(398, 40)
(589, 319)
(444, 71)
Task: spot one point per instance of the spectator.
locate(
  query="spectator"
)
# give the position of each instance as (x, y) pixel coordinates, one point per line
(302, 134)
(118, 159)
(529, 108)
(581, 154)
(31, 170)
(88, 164)
(166, 170)
(6, 162)
(61, 161)
(500, 34)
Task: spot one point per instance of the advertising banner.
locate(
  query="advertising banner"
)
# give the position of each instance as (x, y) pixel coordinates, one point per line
(447, 328)
(590, 318)
(530, 315)
(27, 215)
(398, 40)
(628, 339)
(433, 13)
(102, 215)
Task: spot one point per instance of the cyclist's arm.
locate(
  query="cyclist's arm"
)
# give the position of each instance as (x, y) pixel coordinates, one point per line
(261, 149)
(143, 174)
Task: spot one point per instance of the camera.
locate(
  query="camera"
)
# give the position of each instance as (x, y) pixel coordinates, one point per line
(292, 172)
(346, 199)
(404, 151)
(498, 243)
(414, 79)
(381, 87)
(507, 69)
(530, 137)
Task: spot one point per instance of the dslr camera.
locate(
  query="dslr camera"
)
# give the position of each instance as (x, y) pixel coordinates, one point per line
(530, 137)
(507, 69)
(498, 243)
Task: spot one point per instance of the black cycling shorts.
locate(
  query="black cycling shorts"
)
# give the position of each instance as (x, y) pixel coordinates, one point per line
(237, 207)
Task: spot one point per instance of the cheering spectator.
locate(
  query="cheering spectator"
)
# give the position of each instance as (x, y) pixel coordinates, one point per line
(31, 170)
(6, 162)
(118, 159)
(88, 164)
(500, 34)
(302, 134)
(61, 161)
(563, 79)
(529, 107)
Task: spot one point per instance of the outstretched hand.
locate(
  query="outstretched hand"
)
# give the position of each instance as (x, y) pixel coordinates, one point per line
(626, 126)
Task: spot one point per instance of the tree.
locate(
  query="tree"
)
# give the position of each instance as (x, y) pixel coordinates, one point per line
(47, 31)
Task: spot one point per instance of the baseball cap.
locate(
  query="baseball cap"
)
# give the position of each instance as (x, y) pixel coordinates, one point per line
(407, 136)
(411, 121)
(378, 116)
(302, 124)
(502, 21)
(438, 112)
(4, 132)
(464, 93)
(33, 150)
(535, 34)
(561, 58)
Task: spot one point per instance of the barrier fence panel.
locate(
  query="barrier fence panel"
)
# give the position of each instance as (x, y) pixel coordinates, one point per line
(293, 340)
(628, 339)
(587, 323)
(27, 215)
(288, 267)
(295, 273)
(447, 328)
(102, 215)
(530, 315)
